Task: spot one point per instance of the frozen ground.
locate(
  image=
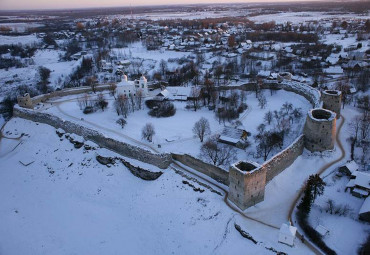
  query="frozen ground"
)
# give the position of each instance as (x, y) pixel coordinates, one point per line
(65, 202)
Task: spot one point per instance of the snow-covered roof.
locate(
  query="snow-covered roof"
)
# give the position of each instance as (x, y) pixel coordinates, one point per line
(351, 183)
(288, 230)
(362, 179)
(125, 83)
(164, 93)
(333, 70)
(228, 139)
(264, 73)
(179, 91)
(365, 206)
(360, 191)
(352, 166)
(322, 230)
(232, 134)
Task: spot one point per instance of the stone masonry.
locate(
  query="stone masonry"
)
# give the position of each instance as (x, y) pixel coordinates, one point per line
(331, 100)
(319, 130)
(247, 184)
(25, 101)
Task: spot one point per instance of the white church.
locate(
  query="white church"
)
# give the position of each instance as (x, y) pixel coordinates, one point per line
(128, 88)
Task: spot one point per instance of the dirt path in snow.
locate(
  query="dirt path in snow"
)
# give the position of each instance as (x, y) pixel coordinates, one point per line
(319, 172)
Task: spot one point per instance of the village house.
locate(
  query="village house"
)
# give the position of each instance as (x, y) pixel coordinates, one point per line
(234, 136)
(287, 234)
(359, 184)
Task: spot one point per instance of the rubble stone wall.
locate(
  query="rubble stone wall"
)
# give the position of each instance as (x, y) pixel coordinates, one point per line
(212, 171)
(125, 149)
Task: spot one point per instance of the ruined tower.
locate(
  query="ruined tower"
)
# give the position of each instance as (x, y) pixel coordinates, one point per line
(247, 184)
(331, 100)
(25, 101)
(319, 130)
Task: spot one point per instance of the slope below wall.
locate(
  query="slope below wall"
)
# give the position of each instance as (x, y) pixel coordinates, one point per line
(125, 149)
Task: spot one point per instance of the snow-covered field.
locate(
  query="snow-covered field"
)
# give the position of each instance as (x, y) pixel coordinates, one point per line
(65, 202)
(22, 39)
(301, 17)
(153, 57)
(13, 77)
(174, 134)
(21, 27)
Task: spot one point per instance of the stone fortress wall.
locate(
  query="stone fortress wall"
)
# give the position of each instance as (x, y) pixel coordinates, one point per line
(125, 149)
(257, 178)
(212, 171)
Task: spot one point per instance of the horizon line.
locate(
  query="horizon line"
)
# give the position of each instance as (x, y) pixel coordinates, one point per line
(253, 2)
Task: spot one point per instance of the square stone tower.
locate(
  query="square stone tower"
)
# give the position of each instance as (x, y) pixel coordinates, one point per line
(247, 184)
(25, 101)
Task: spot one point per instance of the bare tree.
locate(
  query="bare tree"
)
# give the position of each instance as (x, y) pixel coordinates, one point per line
(163, 67)
(91, 81)
(101, 102)
(287, 108)
(112, 90)
(261, 101)
(217, 73)
(268, 117)
(132, 101)
(234, 98)
(217, 153)
(267, 141)
(201, 128)
(139, 99)
(121, 105)
(84, 101)
(122, 122)
(193, 100)
(243, 96)
(148, 132)
(214, 96)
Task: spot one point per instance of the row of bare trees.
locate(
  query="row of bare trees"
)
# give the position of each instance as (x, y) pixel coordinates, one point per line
(124, 104)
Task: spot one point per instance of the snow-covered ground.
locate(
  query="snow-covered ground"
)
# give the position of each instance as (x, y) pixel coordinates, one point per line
(174, 134)
(301, 17)
(347, 236)
(13, 77)
(152, 58)
(22, 39)
(351, 232)
(65, 202)
(21, 27)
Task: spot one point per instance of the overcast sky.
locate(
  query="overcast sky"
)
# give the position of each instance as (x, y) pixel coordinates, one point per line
(60, 4)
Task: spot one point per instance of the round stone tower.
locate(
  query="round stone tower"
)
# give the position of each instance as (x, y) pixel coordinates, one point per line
(331, 100)
(25, 101)
(319, 130)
